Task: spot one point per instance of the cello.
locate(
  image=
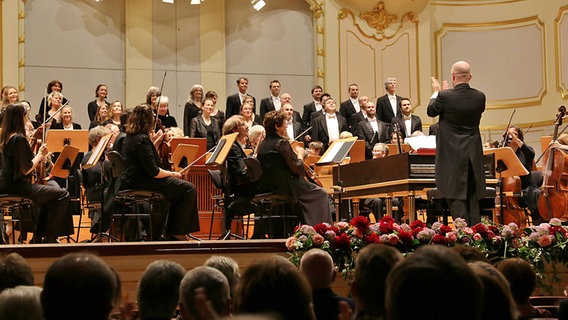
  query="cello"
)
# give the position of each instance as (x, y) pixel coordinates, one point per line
(553, 202)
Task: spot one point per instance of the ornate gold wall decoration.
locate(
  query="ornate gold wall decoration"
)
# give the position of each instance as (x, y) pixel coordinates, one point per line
(378, 19)
(21, 87)
(22, 62)
(317, 8)
(320, 29)
(321, 74)
(320, 52)
(22, 38)
(21, 15)
(385, 34)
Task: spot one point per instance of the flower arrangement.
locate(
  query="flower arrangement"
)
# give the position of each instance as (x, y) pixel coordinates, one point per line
(546, 243)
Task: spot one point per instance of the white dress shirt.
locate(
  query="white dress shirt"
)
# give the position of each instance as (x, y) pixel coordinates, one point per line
(318, 105)
(394, 104)
(332, 126)
(290, 129)
(407, 126)
(276, 102)
(374, 124)
(355, 103)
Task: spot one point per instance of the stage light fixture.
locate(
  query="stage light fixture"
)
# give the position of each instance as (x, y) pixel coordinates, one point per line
(168, 1)
(196, 1)
(258, 4)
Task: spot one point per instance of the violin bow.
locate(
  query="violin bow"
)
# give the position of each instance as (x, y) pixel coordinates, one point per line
(158, 100)
(507, 129)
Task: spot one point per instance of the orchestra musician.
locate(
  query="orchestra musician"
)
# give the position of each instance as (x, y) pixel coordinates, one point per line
(50, 202)
(66, 120)
(460, 173)
(206, 126)
(239, 190)
(142, 171)
(101, 93)
(283, 170)
(54, 102)
(166, 119)
(256, 134)
(526, 154)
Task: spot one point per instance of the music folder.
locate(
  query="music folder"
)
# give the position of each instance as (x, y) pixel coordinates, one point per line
(64, 161)
(57, 139)
(506, 162)
(98, 151)
(184, 151)
(222, 150)
(337, 151)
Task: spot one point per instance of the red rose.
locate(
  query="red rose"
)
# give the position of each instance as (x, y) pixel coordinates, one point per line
(342, 241)
(416, 231)
(320, 228)
(444, 229)
(438, 239)
(481, 229)
(360, 222)
(494, 229)
(386, 227)
(417, 224)
(372, 238)
(387, 219)
(406, 238)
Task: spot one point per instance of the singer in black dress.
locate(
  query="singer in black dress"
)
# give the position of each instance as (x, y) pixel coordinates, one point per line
(49, 201)
(142, 171)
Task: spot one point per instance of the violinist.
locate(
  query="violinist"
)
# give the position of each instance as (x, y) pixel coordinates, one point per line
(143, 171)
(206, 126)
(525, 153)
(240, 190)
(30, 125)
(54, 102)
(283, 170)
(49, 200)
(52, 86)
(166, 119)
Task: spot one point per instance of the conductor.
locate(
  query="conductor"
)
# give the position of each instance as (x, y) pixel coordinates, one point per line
(460, 174)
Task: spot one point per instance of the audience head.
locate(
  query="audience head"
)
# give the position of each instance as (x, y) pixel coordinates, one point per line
(374, 263)
(432, 275)
(274, 286)
(521, 277)
(78, 286)
(272, 120)
(229, 267)
(21, 303)
(215, 285)
(317, 266)
(15, 271)
(380, 150)
(158, 289)
(140, 121)
(498, 303)
(470, 254)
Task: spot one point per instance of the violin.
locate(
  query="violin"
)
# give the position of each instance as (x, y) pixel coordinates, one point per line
(553, 202)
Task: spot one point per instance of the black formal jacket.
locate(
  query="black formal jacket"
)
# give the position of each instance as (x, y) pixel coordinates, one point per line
(266, 105)
(458, 141)
(190, 111)
(141, 160)
(167, 121)
(347, 110)
(233, 106)
(384, 109)
(307, 115)
(415, 124)
(364, 131)
(59, 125)
(320, 131)
(198, 129)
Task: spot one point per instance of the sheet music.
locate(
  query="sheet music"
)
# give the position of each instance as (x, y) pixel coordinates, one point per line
(331, 153)
(420, 142)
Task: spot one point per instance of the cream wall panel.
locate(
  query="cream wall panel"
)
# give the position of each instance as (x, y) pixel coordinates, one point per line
(360, 66)
(562, 51)
(495, 53)
(81, 44)
(274, 43)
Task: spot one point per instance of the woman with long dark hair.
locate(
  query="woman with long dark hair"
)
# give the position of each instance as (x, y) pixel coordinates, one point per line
(18, 163)
(142, 171)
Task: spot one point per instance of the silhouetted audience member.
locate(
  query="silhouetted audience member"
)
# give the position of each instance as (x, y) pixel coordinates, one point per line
(273, 286)
(229, 267)
(78, 286)
(21, 303)
(433, 283)
(317, 266)
(522, 281)
(498, 302)
(210, 283)
(15, 271)
(158, 290)
(374, 263)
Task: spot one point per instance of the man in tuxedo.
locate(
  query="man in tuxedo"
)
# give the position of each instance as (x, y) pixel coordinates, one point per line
(273, 102)
(287, 98)
(460, 174)
(326, 128)
(350, 106)
(372, 130)
(407, 122)
(387, 105)
(313, 106)
(361, 115)
(293, 127)
(234, 102)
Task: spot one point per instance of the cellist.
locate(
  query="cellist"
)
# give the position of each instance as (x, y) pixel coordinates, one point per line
(18, 162)
(525, 153)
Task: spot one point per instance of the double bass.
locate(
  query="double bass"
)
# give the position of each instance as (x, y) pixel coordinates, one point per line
(553, 202)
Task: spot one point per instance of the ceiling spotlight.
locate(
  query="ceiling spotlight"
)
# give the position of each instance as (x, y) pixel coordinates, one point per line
(168, 1)
(258, 4)
(195, 1)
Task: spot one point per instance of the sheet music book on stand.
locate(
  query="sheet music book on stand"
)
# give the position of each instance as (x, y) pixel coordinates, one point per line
(337, 151)
(98, 151)
(222, 150)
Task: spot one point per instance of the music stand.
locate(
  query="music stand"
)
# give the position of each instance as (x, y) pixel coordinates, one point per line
(393, 148)
(64, 162)
(97, 156)
(57, 139)
(507, 164)
(221, 150)
(184, 151)
(334, 155)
